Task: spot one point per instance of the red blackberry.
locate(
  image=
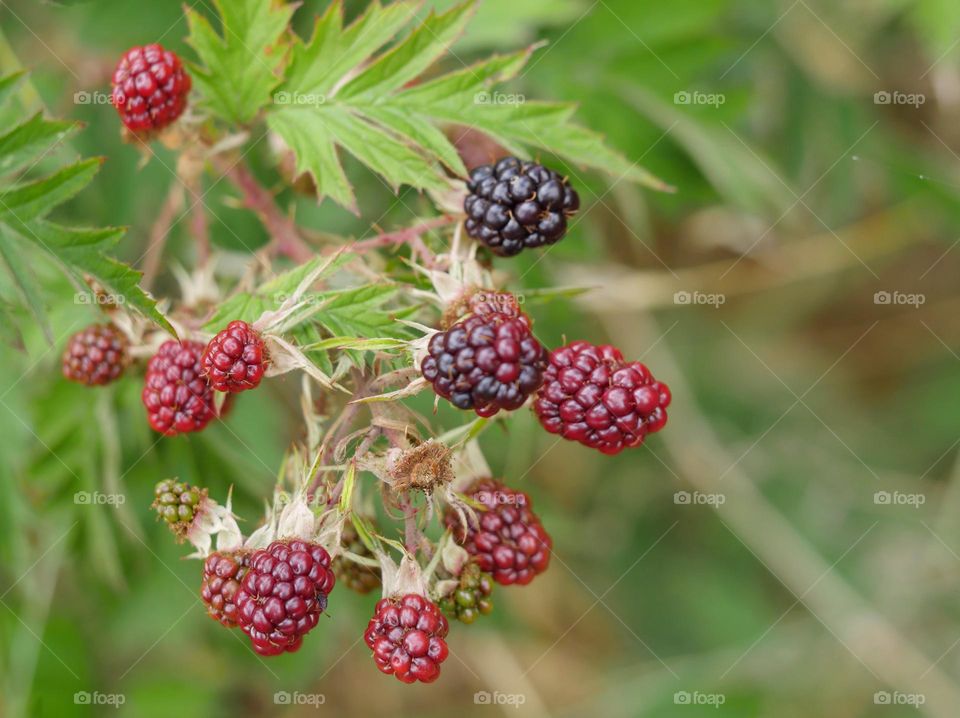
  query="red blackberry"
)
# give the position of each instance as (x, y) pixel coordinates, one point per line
(486, 362)
(509, 542)
(283, 594)
(516, 205)
(177, 397)
(235, 359)
(222, 574)
(150, 88)
(407, 636)
(95, 356)
(592, 395)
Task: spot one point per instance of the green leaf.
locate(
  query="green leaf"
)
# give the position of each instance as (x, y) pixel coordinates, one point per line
(9, 83)
(415, 54)
(80, 253)
(24, 279)
(26, 141)
(334, 51)
(338, 93)
(248, 306)
(240, 68)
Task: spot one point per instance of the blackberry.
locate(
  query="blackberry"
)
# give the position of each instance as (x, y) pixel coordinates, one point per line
(177, 396)
(406, 635)
(486, 362)
(95, 356)
(516, 205)
(150, 88)
(356, 577)
(177, 503)
(222, 574)
(283, 594)
(592, 395)
(472, 597)
(235, 359)
(508, 541)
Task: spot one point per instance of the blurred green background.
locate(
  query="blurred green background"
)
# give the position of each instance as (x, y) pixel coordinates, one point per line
(789, 545)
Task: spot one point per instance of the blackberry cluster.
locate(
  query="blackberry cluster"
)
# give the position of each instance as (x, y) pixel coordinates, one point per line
(150, 88)
(95, 356)
(235, 359)
(508, 541)
(592, 395)
(472, 596)
(177, 396)
(486, 362)
(516, 205)
(222, 574)
(407, 636)
(177, 503)
(356, 577)
(282, 595)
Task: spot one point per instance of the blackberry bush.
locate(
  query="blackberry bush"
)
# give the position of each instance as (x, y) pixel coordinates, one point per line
(351, 329)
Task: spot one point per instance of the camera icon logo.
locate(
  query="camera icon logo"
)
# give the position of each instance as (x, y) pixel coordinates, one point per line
(882, 98)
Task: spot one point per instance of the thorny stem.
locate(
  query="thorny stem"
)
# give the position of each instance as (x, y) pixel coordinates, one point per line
(286, 239)
(411, 236)
(159, 232)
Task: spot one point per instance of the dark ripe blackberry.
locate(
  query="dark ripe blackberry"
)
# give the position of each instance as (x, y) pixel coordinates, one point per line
(508, 541)
(235, 359)
(283, 594)
(592, 395)
(177, 503)
(406, 635)
(355, 576)
(486, 362)
(222, 574)
(472, 597)
(516, 205)
(150, 88)
(177, 396)
(95, 356)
